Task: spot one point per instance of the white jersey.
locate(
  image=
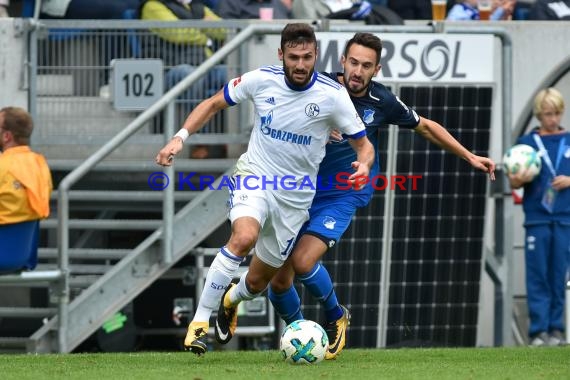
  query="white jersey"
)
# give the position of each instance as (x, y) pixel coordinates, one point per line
(291, 127)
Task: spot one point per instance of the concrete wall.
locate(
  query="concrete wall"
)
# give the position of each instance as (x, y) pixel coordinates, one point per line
(12, 46)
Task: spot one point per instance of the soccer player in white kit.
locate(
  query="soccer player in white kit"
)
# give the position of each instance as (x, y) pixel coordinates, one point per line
(295, 109)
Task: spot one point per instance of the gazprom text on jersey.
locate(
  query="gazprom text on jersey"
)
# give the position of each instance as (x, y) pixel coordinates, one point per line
(286, 136)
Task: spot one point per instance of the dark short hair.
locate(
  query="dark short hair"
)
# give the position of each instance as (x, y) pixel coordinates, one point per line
(297, 33)
(368, 40)
(19, 123)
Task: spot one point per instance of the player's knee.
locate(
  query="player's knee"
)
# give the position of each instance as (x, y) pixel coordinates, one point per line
(241, 242)
(255, 283)
(279, 284)
(303, 264)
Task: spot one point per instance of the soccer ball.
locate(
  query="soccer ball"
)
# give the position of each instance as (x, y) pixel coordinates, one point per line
(520, 157)
(304, 342)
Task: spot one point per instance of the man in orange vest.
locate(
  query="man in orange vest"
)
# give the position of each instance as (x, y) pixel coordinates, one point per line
(25, 187)
(25, 178)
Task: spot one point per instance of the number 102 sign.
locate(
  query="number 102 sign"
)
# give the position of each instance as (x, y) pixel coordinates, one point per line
(137, 83)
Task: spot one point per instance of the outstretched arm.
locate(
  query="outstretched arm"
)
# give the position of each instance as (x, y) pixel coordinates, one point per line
(195, 120)
(435, 133)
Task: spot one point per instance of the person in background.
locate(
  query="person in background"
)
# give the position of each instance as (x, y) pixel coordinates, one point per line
(411, 9)
(467, 10)
(318, 9)
(371, 12)
(212, 4)
(25, 178)
(310, 9)
(183, 50)
(555, 10)
(249, 9)
(504, 8)
(546, 205)
(86, 9)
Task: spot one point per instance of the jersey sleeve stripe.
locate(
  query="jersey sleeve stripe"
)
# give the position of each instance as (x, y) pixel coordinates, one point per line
(355, 136)
(227, 96)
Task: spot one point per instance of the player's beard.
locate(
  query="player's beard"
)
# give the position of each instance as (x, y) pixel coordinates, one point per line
(356, 86)
(290, 72)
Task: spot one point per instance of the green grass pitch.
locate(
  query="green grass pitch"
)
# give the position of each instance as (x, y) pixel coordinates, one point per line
(354, 364)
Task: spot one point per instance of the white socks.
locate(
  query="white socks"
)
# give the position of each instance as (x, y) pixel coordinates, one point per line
(219, 276)
(241, 292)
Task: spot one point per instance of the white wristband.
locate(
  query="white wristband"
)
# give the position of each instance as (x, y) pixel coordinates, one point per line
(183, 134)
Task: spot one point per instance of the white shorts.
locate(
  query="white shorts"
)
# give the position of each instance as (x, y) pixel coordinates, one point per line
(280, 223)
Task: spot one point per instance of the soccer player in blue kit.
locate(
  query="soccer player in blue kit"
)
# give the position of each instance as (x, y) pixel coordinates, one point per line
(333, 206)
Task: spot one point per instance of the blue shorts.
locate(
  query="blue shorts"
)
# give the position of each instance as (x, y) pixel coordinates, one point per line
(329, 218)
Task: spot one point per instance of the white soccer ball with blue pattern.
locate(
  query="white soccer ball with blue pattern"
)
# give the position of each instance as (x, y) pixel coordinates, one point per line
(304, 342)
(520, 157)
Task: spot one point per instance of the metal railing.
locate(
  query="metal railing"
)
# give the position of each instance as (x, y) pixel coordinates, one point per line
(71, 81)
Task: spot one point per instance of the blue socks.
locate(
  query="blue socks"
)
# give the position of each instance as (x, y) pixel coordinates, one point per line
(319, 284)
(287, 304)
